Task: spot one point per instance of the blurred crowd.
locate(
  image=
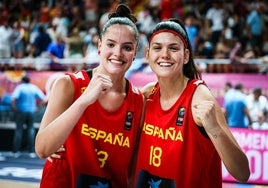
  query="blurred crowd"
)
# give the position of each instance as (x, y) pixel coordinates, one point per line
(245, 109)
(235, 31)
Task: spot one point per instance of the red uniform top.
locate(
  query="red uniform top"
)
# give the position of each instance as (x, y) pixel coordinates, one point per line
(100, 147)
(173, 150)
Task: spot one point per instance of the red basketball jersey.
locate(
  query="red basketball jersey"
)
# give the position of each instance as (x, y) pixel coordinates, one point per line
(100, 148)
(173, 150)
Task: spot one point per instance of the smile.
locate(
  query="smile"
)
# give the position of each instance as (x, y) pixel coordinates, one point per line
(165, 64)
(113, 61)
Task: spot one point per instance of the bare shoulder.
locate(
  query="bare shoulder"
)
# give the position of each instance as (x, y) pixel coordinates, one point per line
(147, 89)
(59, 99)
(62, 90)
(202, 92)
(63, 81)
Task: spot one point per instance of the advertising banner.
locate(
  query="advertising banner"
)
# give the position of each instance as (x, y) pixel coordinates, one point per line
(255, 145)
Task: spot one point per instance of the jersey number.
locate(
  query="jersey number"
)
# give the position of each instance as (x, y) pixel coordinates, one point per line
(155, 156)
(102, 157)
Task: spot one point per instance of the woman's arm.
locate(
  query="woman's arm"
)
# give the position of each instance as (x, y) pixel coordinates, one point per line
(58, 122)
(147, 89)
(207, 113)
(62, 113)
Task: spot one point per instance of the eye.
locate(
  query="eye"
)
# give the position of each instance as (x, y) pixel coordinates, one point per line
(128, 48)
(174, 48)
(156, 48)
(110, 45)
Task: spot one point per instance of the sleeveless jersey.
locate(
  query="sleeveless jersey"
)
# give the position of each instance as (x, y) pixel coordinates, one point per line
(100, 148)
(173, 150)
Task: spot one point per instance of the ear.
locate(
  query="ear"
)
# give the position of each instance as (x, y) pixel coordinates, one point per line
(186, 56)
(136, 50)
(99, 46)
(147, 54)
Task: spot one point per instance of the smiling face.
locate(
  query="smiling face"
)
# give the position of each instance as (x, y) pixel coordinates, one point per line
(167, 54)
(117, 49)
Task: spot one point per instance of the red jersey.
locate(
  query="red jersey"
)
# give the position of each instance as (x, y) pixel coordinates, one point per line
(100, 148)
(173, 150)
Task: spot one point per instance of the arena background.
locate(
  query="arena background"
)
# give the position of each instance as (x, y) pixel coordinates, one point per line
(15, 172)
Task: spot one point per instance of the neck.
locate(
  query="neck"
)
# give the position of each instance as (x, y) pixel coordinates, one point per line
(172, 87)
(170, 91)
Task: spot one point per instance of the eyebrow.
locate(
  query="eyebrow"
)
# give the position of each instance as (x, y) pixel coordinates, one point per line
(171, 44)
(130, 43)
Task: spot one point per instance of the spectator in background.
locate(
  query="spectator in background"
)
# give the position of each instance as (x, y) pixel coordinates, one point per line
(154, 3)
(17, 46)
(236, 109)
(55, 52)
(44, 16)
(222, 51)
(91, 47)
(146, 19)
(24, 103)
(74, 45)
(192, 28)
(255, 28)
(215, 21)
(5, 107)
(33, 28)
(51, 30)
(70, 14)
(90, 11)
(4, 13)
(233, 26)
(5, 40)
(258, 108)
(228, 87)
(239, 58)
(204, 48)
(104, 15)
(166, 10)
(41, 41)
(262, 123)
(140, 61)
(226, 90)
(76, 18)
(61, 21)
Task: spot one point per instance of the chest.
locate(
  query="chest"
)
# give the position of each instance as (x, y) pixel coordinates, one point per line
(112, 101)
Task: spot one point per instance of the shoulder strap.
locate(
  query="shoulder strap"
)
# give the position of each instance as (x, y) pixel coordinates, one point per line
(89, 73)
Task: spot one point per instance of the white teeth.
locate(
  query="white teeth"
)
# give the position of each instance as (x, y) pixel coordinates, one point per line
(165, 64)
(116, 62)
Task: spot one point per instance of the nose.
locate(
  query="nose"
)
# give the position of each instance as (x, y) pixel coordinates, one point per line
(165, 53)
(118, 51)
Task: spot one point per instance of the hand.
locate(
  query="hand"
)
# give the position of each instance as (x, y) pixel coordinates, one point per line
(205, 111)
(57, 154)
(99, 84)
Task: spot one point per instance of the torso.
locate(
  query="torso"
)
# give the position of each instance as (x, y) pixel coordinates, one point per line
(100, 137)
(174, 151)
